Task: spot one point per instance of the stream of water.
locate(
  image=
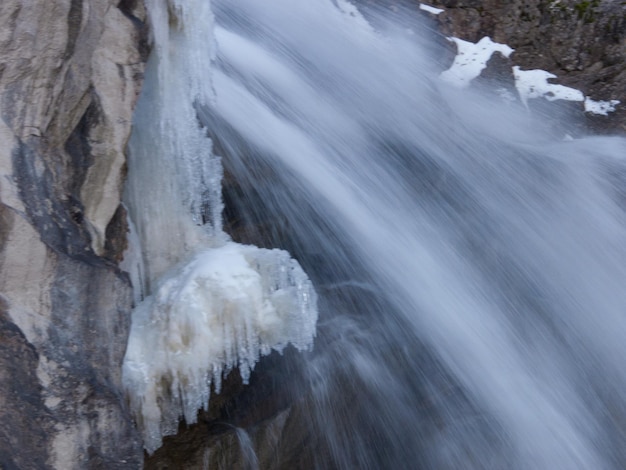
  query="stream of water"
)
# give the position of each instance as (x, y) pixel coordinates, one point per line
(471, 267)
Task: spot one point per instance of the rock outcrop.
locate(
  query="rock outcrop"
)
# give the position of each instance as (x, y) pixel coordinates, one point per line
(70, 73)
(583, 43)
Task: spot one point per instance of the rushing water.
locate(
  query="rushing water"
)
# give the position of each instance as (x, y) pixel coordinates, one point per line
(471, 268)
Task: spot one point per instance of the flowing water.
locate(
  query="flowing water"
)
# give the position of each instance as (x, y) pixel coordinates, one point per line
(471, 268)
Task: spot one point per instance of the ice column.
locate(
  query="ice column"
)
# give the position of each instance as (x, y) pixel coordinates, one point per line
(211, 305)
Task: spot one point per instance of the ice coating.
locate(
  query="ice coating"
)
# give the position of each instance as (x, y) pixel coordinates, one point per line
(173, 190)
(180, 29)
(224, 309)
(534, 84)
(210, 305)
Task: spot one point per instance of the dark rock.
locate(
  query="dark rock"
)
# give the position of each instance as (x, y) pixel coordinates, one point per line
(20, 397)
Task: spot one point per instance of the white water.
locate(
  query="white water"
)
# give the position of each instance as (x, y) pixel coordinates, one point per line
(496, 254)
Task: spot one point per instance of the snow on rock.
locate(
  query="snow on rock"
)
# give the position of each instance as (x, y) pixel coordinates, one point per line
(224, 309)
(471, 60)
(429, 9)
(600, 107)
(534, 84)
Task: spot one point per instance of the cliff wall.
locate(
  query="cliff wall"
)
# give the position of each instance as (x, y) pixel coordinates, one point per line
(70, 73)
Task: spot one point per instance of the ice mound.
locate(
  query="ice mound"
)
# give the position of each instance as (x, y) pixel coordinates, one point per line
(225, 308)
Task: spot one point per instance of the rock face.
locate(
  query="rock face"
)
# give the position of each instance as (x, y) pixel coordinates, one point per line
(70, 73)
(582, 42)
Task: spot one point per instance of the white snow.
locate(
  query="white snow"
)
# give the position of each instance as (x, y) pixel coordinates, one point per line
(225, 308)
(600, 107)
(429, 9)
(471, 60)
(534, 84)
(506, 95)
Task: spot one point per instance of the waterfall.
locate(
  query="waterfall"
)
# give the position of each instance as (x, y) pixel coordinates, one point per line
(470, 265)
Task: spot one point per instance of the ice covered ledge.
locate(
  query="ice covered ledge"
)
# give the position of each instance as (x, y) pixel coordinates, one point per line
(224, 309)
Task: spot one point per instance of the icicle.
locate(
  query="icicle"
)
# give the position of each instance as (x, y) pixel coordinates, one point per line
(213, 305)
(224, 309)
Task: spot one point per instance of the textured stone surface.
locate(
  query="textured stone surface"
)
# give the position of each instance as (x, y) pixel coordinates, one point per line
(70, 73)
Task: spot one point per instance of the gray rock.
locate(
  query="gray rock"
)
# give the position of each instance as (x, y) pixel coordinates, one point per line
(70, 73)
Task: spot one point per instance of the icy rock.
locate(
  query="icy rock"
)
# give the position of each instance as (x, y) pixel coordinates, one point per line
(225, 308)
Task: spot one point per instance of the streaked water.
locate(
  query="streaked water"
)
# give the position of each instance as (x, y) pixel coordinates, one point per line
(472, 267)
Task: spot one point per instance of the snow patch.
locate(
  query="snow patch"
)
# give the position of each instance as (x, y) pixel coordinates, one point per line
(471, 60)
(534, 84)
(429, 9)
(506, 95)
(600, 107)
(353, 13)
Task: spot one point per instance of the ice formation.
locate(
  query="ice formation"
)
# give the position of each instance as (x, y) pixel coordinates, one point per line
(173, 190)
(211, 305)
(600, 107)
(183, 40)
(224, 309)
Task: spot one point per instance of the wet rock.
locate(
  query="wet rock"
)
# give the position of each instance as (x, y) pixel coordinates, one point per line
(244, 424)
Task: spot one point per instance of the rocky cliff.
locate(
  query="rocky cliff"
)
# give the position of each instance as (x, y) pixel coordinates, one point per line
(583, 43)
(70, 73)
